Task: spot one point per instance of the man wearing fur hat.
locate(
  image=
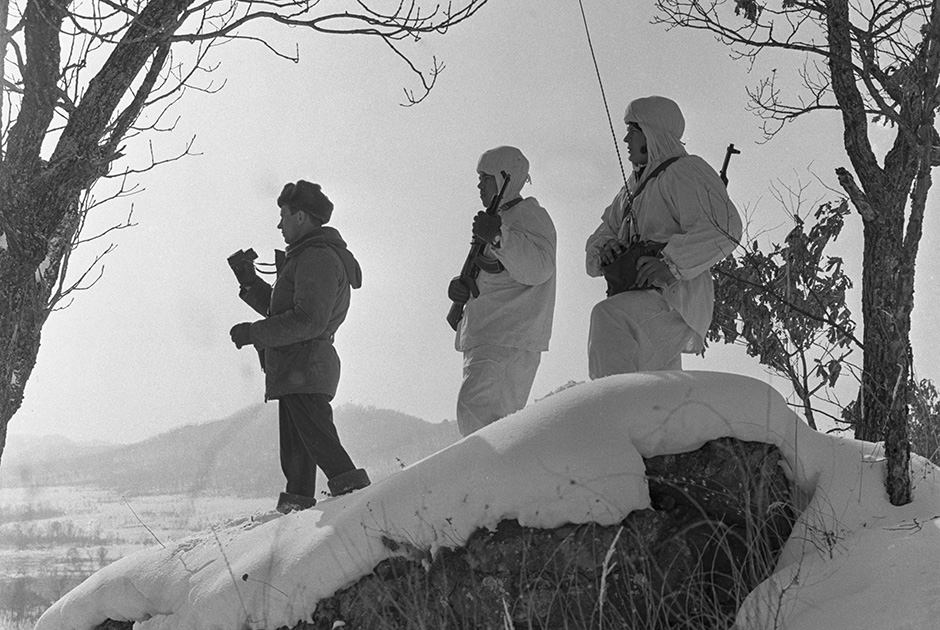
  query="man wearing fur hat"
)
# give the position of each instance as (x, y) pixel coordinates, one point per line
(678, 203)
(507, 326)
(303, 310)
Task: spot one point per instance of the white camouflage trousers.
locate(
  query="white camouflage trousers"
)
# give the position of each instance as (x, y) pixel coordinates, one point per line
(635, 331)
(496, 382)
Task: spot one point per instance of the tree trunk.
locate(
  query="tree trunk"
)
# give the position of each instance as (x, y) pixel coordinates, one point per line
(24, 294)
(31, 255)
(886, 376)
(888, 262)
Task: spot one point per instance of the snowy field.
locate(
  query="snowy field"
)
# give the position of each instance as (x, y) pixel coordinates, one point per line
(52, 538)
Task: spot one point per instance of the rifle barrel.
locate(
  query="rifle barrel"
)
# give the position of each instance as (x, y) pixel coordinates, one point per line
(724, 167)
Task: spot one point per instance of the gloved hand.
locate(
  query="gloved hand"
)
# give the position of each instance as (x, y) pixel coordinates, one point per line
(611, 250)
(486, 226)
(458, 292)
(245, 272)
(651, 271)
(241, 334)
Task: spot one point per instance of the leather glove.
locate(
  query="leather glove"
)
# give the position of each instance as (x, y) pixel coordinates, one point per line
(486, 226)
(458, 292)
(245, 273)
(241, 334)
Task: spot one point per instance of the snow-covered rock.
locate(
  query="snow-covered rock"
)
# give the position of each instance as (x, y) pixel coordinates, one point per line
(853, 560)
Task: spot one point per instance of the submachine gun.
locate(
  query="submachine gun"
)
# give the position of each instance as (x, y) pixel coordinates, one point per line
(470, 269)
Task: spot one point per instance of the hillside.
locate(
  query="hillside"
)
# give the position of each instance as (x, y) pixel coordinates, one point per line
(234, 455)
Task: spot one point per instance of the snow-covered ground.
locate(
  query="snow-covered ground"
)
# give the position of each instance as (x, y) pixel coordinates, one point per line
(852, 562)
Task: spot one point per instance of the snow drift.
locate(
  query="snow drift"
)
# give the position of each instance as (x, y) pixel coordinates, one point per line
(852, 561)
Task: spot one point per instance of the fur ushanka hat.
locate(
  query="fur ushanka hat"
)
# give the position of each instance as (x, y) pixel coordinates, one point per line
(306, 197)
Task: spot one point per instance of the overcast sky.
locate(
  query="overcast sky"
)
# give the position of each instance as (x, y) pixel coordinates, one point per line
(147, 349)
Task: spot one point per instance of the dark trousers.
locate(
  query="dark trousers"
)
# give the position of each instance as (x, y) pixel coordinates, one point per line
(309, 440)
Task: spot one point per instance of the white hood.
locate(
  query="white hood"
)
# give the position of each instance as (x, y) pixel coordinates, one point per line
(510, 160)
(662, 123)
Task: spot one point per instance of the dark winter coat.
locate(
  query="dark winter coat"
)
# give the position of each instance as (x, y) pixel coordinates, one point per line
(302, 312)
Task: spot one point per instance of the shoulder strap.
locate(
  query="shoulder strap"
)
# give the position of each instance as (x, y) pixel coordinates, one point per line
(656, 171)
(628, 215)
(509, 204)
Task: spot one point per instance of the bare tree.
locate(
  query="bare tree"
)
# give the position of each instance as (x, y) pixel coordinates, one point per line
(874, 62)
(76, 77)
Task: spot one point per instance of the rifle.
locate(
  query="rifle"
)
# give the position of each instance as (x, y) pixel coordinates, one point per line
(724, 167)
(470, 270)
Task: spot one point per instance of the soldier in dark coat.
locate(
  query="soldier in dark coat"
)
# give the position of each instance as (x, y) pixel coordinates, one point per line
(303, 310)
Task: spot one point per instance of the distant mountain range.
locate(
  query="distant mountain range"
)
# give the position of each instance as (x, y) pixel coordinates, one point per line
(235, 455)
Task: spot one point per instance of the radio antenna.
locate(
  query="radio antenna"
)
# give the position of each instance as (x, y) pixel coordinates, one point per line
(587, 31)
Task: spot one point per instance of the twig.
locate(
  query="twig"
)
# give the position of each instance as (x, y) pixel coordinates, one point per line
(142, 523)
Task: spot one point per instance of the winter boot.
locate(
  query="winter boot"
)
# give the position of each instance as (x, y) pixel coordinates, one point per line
(348, 481)
(288, 502)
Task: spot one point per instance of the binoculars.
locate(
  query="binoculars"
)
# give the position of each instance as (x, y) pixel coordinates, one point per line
(240, 257)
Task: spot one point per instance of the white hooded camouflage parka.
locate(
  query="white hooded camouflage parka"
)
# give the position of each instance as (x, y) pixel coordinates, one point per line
(516, 305)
